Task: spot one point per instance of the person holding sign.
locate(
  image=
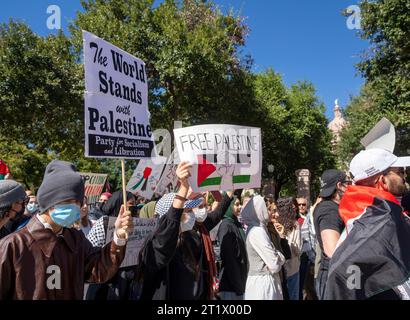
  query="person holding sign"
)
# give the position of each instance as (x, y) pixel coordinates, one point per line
(176, 260)
(118, 286)
(54, 261)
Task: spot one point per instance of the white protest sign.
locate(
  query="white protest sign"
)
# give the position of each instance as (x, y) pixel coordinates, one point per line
(117, 120)
(224, 157)
(142, 229)
(382, 136)
(146, 177)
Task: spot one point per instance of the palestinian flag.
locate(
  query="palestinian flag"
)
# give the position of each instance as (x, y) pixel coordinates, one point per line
(378, 246)
(207, 175)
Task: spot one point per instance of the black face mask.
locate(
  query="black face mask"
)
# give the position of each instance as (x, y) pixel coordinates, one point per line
(19, 214)
(99, 205)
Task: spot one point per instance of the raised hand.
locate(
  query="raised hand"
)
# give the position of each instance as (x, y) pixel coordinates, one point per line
(124, 224)
(280, 229)
(183, 173)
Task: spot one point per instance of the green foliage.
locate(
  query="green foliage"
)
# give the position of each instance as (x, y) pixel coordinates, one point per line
(40, 91)
(196, 75)
(190, 48)
(386, 68)
(26, 165)
(295, 134)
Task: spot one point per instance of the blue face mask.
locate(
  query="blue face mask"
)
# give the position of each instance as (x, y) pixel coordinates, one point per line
(65, 214)
(32, 207)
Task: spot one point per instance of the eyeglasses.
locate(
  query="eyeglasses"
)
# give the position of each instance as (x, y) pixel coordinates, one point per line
(302, 204)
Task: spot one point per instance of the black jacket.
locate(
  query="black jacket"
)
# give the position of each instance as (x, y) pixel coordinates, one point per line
(165, 271)
(379, 246)
(234, 257)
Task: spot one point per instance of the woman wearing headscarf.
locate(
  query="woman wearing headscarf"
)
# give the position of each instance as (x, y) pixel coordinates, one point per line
(265, 261)
(177, 261)
(119, 286)
(232, 240)
(148, 210)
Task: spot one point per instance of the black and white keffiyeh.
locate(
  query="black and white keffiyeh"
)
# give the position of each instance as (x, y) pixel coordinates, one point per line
(165, 203)
(97, 233)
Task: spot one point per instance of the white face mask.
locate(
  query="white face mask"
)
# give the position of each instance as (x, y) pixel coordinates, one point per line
(189, 223)
(200, 214)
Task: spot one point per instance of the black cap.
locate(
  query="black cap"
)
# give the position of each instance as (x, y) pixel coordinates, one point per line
(329, 180)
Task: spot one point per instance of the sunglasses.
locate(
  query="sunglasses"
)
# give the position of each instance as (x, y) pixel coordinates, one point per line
(302, 204)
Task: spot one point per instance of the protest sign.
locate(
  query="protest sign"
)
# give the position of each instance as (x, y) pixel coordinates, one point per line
(142, 228)
(382, 136)
(146, 177)
(224, 157)
(169, 179)
(94, 185)
(117, 120)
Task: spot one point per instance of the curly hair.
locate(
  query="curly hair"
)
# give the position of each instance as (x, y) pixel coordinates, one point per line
(287, 214)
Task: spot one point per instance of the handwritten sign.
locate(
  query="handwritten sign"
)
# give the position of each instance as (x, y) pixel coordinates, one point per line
(224, 157)
(94, 185)
(146, 176)
(169, 180)
(117, 120)
(142, 229)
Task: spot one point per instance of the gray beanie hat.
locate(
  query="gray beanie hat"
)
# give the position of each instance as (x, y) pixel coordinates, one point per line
(61, 182)
(10, 192)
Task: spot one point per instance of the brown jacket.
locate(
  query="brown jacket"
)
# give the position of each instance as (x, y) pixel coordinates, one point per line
(31, 258)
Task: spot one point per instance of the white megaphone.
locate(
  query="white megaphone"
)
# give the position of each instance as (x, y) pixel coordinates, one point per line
(382, 136)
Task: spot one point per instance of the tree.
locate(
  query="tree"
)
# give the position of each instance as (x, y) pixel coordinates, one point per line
(295, 134)
(190, 47)
(26, 165)
(386, 68)
(40, 91)
(196, 75)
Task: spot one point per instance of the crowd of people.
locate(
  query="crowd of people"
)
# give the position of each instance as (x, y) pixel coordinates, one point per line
(352, 243)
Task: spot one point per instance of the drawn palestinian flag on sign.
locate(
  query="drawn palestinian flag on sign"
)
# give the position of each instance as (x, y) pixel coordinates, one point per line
(207, 169)
(146, 175)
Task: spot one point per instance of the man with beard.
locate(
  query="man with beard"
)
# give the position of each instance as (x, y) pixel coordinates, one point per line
(372, 260)
(12, 199)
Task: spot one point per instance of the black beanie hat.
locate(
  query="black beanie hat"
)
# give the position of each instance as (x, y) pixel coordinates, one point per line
(61, 182)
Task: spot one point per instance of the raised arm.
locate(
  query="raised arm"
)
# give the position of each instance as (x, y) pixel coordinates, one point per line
(217, 215)
(160, 247)
(101, 264)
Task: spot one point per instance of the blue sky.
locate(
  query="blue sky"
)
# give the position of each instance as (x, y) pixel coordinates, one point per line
(301, 39)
